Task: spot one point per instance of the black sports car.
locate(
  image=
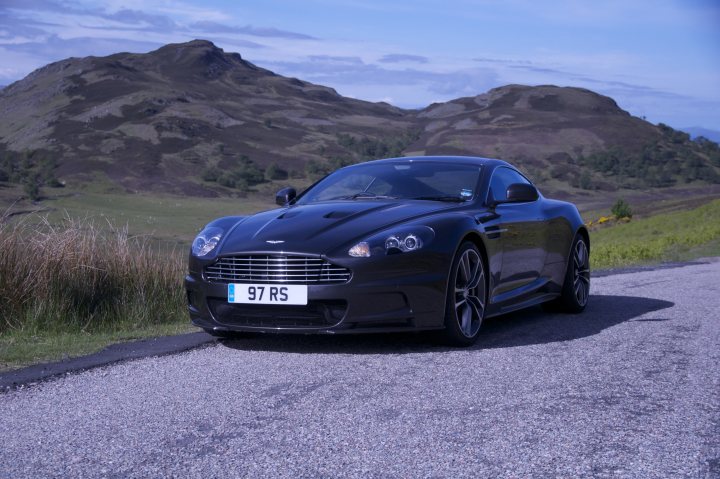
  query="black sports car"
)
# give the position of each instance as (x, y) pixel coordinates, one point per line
(415, 243)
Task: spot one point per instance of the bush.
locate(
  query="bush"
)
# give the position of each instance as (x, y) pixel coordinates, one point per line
(621, 209)
(274, 172)
(227, 179)
(315, 169)
(31, 187)
(210, 174)
(78, 277)
(585, 181)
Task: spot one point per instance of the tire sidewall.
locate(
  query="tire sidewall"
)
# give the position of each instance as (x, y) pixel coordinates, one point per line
(452, 329)
(569, 301)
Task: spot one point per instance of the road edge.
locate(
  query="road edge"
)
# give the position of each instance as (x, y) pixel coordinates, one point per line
(167, 345)
(115, 353)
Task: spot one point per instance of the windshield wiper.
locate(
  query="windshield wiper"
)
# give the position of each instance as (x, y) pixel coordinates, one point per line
(449, 199)
(364, 195)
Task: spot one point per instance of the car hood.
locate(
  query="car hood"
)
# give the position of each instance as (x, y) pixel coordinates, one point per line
(321, 227)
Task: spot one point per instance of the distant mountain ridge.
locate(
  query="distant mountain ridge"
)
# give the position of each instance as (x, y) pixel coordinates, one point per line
(190, 118)
(698, 131)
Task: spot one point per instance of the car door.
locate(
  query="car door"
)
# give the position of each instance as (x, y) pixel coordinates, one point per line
(523, 234)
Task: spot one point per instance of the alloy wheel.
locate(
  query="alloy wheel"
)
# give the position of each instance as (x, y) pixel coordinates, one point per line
(581, 273)
(469, 293)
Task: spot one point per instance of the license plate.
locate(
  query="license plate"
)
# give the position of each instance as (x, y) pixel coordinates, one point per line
(267, 294)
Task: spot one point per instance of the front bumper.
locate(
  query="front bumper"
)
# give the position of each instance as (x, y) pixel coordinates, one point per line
(387, 293)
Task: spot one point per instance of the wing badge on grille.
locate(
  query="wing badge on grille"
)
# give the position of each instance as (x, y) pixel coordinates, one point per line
(275, 241)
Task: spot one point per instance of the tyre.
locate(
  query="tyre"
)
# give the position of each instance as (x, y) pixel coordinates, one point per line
(576, 286)
(466, 297)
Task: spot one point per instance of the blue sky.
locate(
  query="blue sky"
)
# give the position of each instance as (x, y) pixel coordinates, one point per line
(657, 58)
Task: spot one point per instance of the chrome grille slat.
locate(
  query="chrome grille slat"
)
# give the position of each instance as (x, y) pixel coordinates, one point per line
(290, 269)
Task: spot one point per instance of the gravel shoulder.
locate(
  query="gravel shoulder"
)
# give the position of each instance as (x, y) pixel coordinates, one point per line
(628, 389)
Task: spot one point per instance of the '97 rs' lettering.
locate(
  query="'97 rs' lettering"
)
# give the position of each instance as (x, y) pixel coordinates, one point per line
(275, 293)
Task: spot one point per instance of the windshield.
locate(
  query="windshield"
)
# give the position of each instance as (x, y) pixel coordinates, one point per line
(432, 181)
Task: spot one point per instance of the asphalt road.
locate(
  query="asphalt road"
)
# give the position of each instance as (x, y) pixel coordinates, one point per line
(631, 388)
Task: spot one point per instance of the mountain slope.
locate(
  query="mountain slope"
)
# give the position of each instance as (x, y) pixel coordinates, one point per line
(153, 121)
(189, 118)
(563, 133)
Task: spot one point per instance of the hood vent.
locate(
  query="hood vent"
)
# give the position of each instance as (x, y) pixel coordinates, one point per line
(338, 214)
(288, 214)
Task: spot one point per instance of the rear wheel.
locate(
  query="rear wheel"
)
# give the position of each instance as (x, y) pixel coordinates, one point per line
(466, 297)
(576, 287)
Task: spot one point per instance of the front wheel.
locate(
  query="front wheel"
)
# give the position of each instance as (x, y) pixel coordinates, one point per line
(466, 297)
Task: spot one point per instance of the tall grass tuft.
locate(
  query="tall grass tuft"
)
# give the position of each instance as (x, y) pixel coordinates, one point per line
(78, 276)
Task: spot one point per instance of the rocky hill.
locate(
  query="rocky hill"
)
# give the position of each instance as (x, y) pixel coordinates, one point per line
(192, 119)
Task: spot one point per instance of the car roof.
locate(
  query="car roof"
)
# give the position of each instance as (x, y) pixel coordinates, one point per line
(469, 160)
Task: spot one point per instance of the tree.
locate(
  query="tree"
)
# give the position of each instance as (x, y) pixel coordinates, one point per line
(621, 209)
(31, 186)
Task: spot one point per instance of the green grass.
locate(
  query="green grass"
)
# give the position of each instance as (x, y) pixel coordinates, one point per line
(22, 348)
(163, 217)
(679, 235)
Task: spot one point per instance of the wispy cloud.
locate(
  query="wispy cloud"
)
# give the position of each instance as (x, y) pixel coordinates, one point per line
(335, 59)
(215, 27)
(410, 86)
(502, 61)
(140, 19)
(403, 58)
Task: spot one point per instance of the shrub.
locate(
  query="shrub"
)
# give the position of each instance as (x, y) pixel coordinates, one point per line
(227, 179)
(274, 172)
(315, 169)
(210, 174)
(585, 181)
(31, 187)
(621, 209)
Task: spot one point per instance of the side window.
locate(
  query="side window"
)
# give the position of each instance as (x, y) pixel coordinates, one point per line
(502, 178)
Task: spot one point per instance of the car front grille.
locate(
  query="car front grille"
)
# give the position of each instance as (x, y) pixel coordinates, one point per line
(287, 269)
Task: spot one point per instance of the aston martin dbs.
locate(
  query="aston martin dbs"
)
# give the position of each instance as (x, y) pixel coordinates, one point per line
(414, 243)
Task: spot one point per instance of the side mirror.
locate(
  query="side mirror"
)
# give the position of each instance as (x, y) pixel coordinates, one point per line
(521, 193)
(285, 196)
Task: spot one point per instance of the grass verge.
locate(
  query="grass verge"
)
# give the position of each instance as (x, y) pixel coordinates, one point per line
(676, 236)
(72, 287)
(20, 348)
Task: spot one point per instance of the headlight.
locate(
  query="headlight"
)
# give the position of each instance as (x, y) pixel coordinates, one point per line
(206, 241)
(402, 240)
(403, 243)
